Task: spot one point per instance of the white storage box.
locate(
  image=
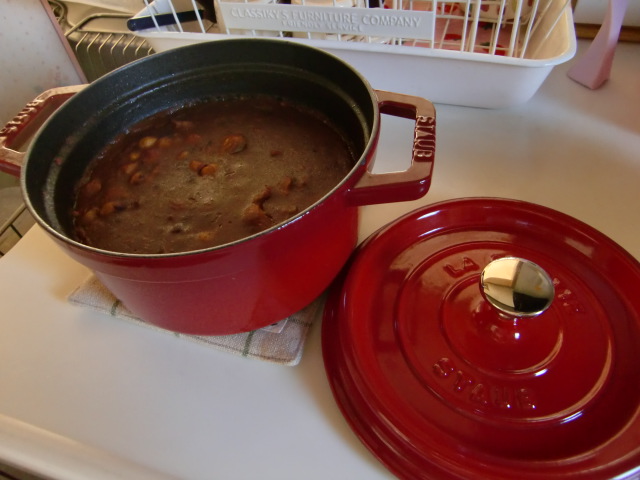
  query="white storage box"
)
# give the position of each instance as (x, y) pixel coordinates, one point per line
(499, 54)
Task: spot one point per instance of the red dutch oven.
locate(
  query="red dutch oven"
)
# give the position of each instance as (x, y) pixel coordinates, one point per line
(246, 284)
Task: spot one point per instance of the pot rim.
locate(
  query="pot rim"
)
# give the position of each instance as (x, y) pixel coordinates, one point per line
(358, 164)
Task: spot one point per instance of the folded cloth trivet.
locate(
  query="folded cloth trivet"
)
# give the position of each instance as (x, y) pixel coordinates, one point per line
(281, 343)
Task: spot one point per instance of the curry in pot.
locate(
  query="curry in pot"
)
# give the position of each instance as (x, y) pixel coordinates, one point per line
(207, 175)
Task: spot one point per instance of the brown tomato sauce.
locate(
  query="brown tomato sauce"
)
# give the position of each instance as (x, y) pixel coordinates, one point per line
(208, 175)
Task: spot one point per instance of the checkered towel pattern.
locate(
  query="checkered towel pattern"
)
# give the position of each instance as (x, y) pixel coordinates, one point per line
(281, 343)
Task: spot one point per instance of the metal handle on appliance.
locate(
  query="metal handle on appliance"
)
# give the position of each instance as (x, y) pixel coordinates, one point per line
(414, 182)
(26, 123)
(517, 287)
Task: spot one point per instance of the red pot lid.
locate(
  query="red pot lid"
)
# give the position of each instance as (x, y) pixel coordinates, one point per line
(438, 383)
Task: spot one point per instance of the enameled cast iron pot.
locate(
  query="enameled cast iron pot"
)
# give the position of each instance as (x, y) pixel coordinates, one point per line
(246, 284)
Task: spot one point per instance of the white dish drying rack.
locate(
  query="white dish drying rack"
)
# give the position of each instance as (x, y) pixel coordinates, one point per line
(483, 53)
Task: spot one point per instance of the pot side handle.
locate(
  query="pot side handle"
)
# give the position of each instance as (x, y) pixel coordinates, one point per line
(414, 182)
(21, 128)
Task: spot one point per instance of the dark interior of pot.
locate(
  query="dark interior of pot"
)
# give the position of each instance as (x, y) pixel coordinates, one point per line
(208, 71)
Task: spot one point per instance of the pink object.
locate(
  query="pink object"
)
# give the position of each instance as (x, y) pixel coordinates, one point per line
(594, 67)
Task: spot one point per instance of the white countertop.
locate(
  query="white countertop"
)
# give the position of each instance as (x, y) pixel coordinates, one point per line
(84, 395)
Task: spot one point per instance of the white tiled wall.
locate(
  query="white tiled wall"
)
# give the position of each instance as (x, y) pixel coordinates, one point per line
(593, 11)
(33, 59)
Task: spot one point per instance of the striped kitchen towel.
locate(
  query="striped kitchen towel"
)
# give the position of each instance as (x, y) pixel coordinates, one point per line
(281, 343)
